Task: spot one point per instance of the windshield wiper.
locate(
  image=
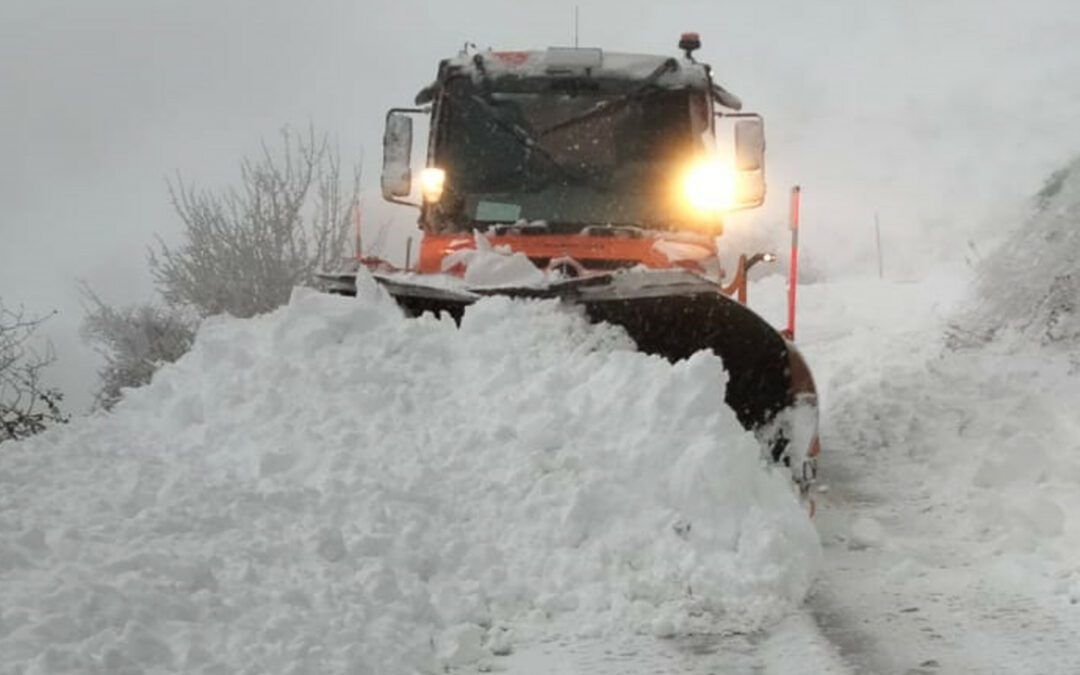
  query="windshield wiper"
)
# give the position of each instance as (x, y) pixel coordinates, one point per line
(611, 103)
(527, 141)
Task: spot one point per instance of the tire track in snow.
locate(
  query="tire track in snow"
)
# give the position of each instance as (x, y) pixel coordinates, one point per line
(793, 646)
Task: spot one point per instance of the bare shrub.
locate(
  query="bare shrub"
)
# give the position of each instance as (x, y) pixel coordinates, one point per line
(245, 248)
(27, 406)
(134, 341)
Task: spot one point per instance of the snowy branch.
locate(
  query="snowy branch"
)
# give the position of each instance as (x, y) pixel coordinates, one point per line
(27, 406)
(246, 247)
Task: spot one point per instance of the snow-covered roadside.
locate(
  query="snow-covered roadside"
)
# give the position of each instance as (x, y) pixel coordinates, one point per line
(951, 525)
(334, 488)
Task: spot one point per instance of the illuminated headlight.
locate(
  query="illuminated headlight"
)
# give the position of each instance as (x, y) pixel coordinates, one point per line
(432, 181)
(709, 186)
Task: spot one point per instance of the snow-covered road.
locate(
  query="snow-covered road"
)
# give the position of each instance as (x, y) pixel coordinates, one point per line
(949, 525)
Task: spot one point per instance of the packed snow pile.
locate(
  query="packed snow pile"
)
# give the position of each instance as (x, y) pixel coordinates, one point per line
(1032, 281)
(334, 488)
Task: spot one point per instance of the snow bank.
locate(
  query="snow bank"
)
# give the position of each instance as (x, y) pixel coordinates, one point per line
(1004, 417)
(1021, 441)
(1032, 282)
(334, 488)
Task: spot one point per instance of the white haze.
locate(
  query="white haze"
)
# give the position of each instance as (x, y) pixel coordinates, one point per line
(941, 117)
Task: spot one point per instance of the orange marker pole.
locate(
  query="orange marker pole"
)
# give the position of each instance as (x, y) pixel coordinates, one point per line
(793, 272)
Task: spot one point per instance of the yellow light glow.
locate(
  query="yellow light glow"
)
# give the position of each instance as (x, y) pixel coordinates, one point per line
(432, 181)
(709, 186)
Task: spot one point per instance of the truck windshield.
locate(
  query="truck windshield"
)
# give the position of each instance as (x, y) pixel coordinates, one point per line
(570, 159)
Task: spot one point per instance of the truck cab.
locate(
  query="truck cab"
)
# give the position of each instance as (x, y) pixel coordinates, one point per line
(582, 159)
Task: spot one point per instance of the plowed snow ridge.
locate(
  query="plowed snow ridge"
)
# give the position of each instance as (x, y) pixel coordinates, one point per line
(334, 488)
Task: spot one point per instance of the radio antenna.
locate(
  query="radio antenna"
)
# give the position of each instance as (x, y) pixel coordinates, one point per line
(575, 26)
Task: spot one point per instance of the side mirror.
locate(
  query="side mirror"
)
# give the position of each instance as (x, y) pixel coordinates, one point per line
(750, 144)
(750, 162)
(397, 155)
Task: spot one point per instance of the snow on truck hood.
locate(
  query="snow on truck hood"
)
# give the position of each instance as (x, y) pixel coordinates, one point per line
(334, 488)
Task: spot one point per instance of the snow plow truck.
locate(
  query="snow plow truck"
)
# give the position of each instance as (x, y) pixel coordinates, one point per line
(613, 174)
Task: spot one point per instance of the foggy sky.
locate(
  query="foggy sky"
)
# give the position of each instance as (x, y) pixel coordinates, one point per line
(940, 116)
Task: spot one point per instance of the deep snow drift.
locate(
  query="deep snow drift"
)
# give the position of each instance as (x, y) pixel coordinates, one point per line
(334, 488)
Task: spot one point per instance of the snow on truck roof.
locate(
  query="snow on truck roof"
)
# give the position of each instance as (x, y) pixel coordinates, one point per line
(593, 63)
(556, 61)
